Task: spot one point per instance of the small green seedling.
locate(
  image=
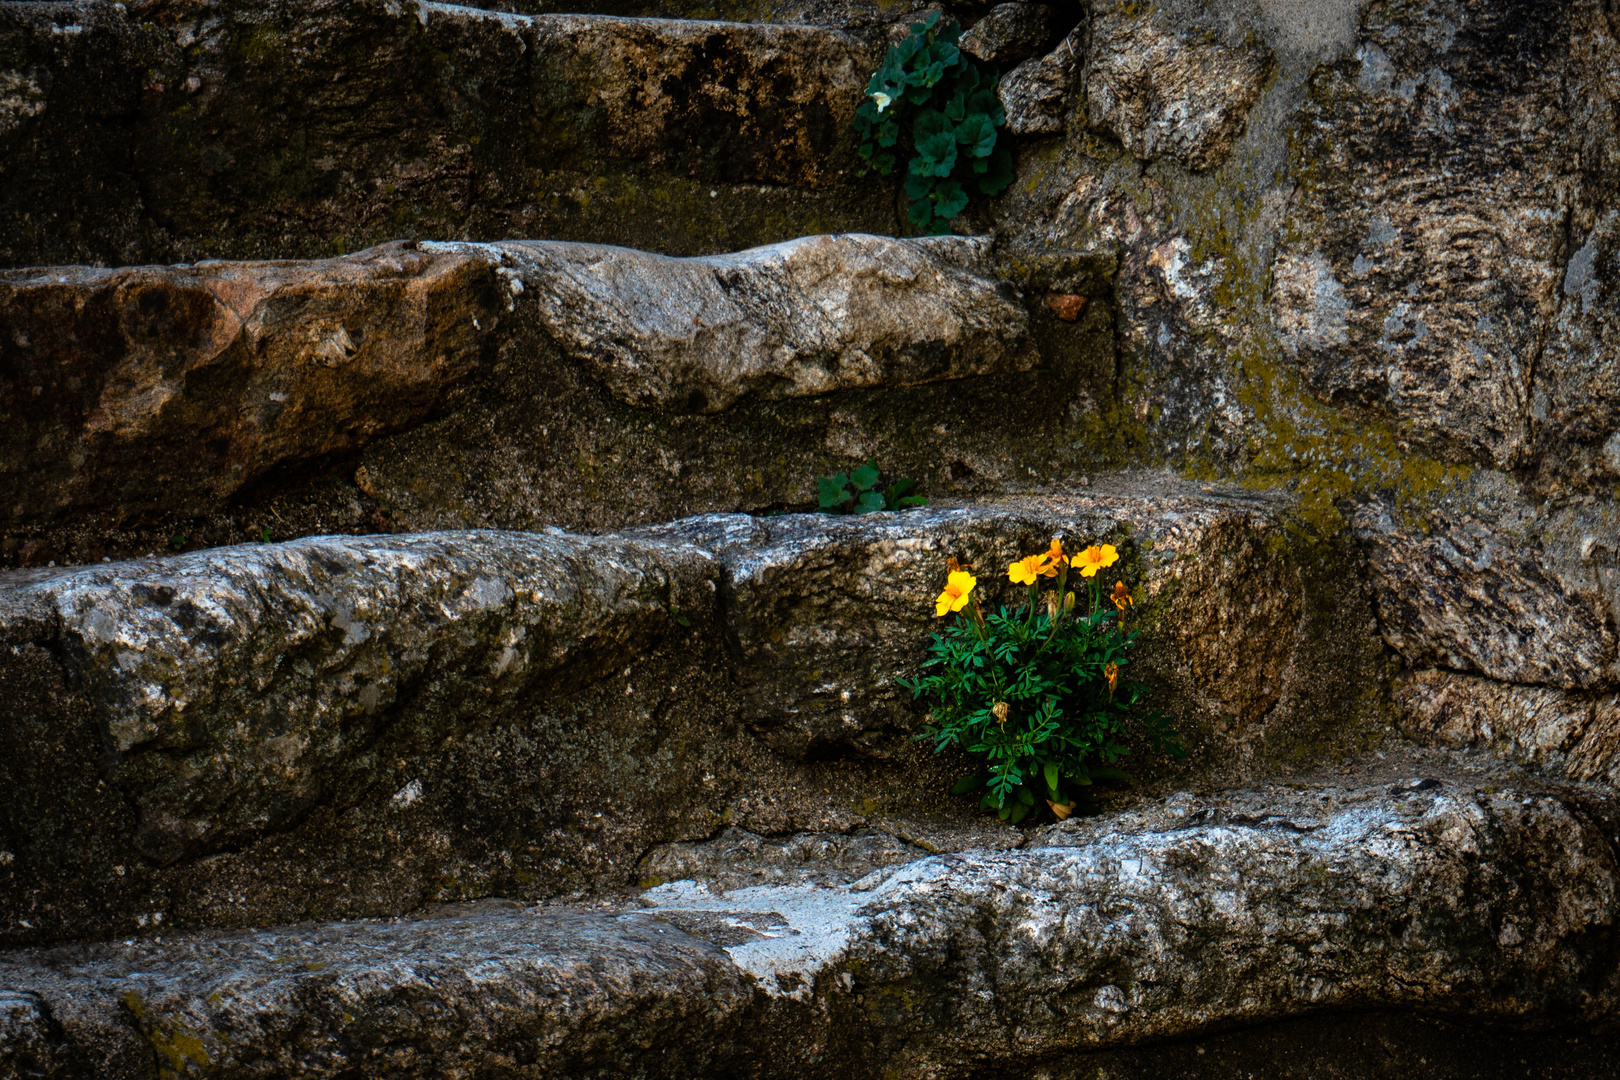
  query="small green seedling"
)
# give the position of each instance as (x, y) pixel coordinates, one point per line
(857, 492)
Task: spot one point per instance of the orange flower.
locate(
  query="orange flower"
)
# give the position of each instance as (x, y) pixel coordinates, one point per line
(1121, 596)
(1026, 570)
(1054, 558)
(1111, 673)
(1095, 558)
(957, 589)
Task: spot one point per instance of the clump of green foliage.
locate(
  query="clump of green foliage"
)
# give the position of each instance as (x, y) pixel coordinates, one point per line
(932, 98)
(1037, 691)
(857, 492)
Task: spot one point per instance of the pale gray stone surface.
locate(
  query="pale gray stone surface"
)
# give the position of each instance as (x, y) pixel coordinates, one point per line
(1183, 917)
(810, 316)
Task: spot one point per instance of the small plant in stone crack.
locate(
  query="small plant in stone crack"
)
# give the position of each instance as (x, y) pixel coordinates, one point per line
(858, 492)
(932, 106)
(1037, 692)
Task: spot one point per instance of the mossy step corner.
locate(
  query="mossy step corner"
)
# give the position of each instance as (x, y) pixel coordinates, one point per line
(1180, 919)
(347, 726)
(155, 132)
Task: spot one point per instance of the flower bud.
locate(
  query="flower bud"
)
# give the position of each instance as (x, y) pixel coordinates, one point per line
(1068, 603)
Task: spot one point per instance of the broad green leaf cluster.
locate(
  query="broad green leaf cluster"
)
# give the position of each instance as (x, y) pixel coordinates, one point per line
(1037, 692)
(857, 492)
(933, 106)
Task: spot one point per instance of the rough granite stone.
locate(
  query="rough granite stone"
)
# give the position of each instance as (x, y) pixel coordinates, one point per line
(1012, 32)
(286, 128)
(1182, 919)
(1168, 91)
(172, 389)
(360, 725)
(1450, 200)
(824, 615)
(805, 317)
(1562, 732)
(1489, 583)
(1038, 94)
(178, 386)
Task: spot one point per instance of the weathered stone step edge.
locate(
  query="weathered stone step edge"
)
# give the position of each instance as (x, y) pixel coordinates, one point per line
(357, 726)
(1235, 909)
(215, 376)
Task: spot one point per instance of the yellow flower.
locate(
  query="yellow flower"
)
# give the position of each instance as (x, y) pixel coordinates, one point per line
(1095, 558)
(1054, 558)
(955, 596)
(1026, 570)
(1111, 673)
(1121, 596)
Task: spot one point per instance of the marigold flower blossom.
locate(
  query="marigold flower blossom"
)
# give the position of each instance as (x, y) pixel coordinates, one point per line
(1054, 558)
(1026, 570)
(1095, 558)
(955, 597)
(1121, 596)
(1111, 673)
(1000, 709)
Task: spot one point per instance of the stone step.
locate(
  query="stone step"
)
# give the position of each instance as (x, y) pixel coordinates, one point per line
(1095, 944)
(157, 132)
(515, 385)
(346, 726)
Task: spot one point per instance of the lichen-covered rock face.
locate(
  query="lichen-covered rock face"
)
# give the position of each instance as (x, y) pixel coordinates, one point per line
(237, 688)
(1182, 919)
(171, 389)
(1168, 91)
(345, 727)
(249, 129)
(1566, 733)
(248, 735)
(1448, 237)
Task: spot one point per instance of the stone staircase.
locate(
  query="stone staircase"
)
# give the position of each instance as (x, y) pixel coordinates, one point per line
(419, 662)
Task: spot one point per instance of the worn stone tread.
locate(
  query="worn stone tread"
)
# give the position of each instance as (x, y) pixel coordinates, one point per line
(359, 725)
(276, 128)
(1184, 917)
(171, 389)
